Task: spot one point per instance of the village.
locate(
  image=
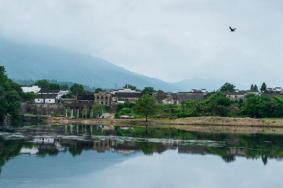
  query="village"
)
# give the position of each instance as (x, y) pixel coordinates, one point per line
(103, 103)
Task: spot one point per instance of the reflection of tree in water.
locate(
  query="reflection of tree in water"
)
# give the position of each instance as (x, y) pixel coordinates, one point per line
(262, 147)
(228, 158)
(77, 147)
(8, 150)
(264, 160)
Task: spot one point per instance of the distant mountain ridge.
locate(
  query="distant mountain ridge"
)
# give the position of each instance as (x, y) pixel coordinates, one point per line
(33, 62)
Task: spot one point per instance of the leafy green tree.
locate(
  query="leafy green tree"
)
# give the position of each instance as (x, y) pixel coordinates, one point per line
(255, 88)
(77, 89)
(85, 112)
(129, 86)
(216, 104)
(146, 106)
(263, 87)
(42, 84)
(97, 110)
(191, 108)
(45, 84)
(148, 91)
(262, 106)
(10, 97)
(97, 90)
(228, 87)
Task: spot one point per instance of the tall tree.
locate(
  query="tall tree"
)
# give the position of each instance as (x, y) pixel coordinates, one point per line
(263, 87)
(148, 91)
(77, 89)
(255, 88)
(10, 97)
(129, 86)
(146, 106)
(228, 87)
(97, 110)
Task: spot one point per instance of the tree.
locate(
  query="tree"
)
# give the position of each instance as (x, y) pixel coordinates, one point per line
(255, 88)
(146, 106)
(42, 84)
(263, 87)
(216, 104)
(148, 91)
(97, 110)
(228, 87)
(129, 86)
(262, 107)
(97, 90)
(77, 89)
(45, 84)
(10, 97)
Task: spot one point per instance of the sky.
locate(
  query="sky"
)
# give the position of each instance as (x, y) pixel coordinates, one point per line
(167, 39)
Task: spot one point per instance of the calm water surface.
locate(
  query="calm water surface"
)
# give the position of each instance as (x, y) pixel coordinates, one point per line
(89, 161)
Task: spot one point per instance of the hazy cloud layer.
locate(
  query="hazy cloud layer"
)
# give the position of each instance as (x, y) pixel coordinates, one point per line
(167, 39)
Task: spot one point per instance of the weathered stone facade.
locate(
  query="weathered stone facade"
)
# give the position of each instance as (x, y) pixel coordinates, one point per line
(103, 98)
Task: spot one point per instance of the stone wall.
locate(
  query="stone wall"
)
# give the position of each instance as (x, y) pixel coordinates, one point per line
(43, 109)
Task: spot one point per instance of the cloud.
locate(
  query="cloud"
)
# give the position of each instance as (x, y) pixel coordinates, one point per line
(168, 39)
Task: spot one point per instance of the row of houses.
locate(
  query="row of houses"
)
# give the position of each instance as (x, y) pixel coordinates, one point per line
(109, 98)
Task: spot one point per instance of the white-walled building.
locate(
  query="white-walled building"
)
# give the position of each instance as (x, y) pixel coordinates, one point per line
(49, 96)
(125, 95)
(29, 89)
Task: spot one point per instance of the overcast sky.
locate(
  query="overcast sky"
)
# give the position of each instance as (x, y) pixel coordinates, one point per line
(168, 39)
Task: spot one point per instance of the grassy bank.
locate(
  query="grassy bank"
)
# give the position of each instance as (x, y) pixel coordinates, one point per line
(199, 124)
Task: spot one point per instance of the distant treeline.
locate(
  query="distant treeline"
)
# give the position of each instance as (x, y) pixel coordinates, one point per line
(255, 105)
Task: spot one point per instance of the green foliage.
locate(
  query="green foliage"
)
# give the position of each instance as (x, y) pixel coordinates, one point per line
(45, 84)
(169, 111)
(146, 106)
(10, 96)
(97, 90)
(129, 86)
(216, 104)
(254, 88)
(28, 96)
(228, 87)
(77, 89)
(97, 110)
(262, 106)
(148, 91)
(263, 87)
(126, 109)
(191, 109)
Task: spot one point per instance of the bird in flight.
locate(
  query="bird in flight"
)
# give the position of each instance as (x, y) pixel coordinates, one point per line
(232, 29)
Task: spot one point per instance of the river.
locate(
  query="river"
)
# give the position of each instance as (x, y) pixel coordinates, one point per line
(79, 156)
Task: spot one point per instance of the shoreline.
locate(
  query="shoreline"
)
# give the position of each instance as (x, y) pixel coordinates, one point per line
(198, 124)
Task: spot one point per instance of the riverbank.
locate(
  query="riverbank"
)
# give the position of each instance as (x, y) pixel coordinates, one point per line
(199, 124)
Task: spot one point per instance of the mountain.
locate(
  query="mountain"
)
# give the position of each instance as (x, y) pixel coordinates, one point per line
(32, 62)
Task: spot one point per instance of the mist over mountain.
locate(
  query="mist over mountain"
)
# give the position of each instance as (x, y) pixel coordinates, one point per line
(33, 62)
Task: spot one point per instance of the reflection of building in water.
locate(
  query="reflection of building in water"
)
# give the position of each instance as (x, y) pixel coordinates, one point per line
(103, 145)
(128, 147)
(236, 151)
(31, 151)
(88, 130)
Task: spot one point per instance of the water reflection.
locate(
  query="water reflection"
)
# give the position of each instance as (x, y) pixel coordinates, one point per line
(75, 139)
(88, 156)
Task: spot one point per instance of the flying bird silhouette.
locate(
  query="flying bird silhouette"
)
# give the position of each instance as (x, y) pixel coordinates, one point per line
(232, 29)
